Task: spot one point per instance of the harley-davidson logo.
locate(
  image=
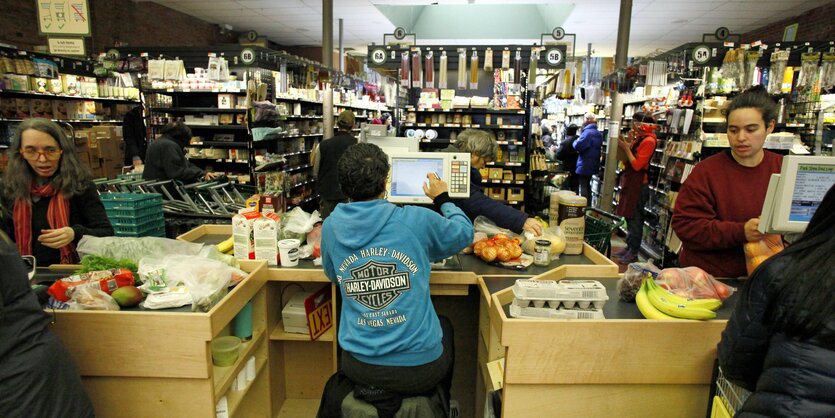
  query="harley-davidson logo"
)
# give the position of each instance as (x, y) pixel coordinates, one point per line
(376, 285)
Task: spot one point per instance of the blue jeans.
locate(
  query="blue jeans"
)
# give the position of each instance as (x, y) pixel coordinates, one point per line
(635, 224)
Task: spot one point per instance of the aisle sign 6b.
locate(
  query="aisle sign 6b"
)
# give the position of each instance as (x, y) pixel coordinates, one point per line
(247, 56)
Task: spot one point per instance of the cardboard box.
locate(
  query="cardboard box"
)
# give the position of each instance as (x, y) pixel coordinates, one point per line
(496, 173)
(507, 175)
(59, 109)
(516, 193)
(520, 176)
(496, 193)
(485, 172)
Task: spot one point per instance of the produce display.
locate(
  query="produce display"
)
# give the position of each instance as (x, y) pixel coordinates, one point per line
(498, 248)
(655, 302)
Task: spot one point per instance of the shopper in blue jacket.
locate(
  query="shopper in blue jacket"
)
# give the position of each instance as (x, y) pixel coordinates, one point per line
(379, 256)
(482, 147)
(588, 147)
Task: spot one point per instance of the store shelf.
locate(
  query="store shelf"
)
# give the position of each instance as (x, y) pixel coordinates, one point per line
(219, 160)
(223, 376)
(214, 90)
(296, 168)
(467, 110)
(15, 93)
(309, 199)
(278, 334)
(301, 117)
(196, 110)
(503, 182)
(504, 164)
(295, 153)
(217, 144)
(234, 397)
(281, 138)
(212, 127)
(302, 183)
(69, 120)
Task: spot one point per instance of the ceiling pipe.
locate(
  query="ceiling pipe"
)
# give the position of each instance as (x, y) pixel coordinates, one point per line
(616, 113)
(327, 61)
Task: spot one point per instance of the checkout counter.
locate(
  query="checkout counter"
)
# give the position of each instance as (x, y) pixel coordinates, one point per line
(159, 363)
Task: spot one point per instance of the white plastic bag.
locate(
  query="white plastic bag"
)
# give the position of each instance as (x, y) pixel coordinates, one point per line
(137, 248)
(297, 223)
(206, 280)
(483, 224)
(91, 299)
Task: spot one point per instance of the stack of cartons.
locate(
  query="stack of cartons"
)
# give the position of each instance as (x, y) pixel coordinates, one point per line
(102, 149)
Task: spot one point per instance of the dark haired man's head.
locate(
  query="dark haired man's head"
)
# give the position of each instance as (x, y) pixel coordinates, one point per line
(363, 170)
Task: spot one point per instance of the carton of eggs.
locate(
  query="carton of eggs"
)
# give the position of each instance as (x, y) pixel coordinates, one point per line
(566, 299)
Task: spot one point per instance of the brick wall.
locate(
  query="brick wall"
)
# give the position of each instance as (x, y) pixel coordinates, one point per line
(814, 25)
(117, 21)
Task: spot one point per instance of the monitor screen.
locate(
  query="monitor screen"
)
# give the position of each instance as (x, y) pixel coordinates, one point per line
(794, 195)
(409, 174)
(810, 185)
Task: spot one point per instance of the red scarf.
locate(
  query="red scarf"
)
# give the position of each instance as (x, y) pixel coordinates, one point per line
(57, 215)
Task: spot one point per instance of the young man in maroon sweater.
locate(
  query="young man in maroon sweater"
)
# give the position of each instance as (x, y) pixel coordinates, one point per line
(718, 206)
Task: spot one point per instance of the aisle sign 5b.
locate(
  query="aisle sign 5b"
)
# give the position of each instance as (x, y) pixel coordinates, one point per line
(555, 56)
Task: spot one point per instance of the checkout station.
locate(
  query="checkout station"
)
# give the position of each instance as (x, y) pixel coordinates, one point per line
(159, 363)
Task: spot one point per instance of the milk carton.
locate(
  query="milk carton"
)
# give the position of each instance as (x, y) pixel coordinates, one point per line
(242, 233)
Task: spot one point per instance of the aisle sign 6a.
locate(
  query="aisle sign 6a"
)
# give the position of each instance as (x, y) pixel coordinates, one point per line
(378, 56)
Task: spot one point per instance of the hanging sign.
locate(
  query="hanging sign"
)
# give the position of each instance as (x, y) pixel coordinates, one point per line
(555, 56)
(399, 33)
(66, 46)
(701, 54)
(247, 56)
(377, 56)
(722, 33)
(558, 33)
(60, 17)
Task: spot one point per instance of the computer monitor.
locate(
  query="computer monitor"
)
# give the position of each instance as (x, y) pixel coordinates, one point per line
(390, 144)
(409, 170)
(794, 195)
(368, 130)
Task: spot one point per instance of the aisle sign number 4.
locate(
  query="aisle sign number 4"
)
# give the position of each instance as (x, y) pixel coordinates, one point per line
(63, 17)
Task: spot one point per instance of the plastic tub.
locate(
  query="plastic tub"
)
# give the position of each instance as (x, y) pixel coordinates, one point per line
(225, 350)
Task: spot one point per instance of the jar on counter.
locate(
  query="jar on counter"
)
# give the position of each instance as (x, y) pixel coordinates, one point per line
(542, 252)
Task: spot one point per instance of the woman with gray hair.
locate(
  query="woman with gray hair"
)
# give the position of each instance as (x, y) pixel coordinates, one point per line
(49, 199)
(482, 147)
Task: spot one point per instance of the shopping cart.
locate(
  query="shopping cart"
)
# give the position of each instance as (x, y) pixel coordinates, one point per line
(728, 399)
(599, 228)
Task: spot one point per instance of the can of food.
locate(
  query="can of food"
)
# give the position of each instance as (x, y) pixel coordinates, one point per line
(542, 252)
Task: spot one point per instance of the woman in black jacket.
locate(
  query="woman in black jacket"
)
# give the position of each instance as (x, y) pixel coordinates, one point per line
(166, 157)
(780, 340)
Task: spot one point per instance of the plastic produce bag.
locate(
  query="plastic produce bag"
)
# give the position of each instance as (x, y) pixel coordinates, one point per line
(297, 223)
(312, 248)
(630, 284)
(92, 299)
(693, 283)
(206, 280)
(553, 234)
(758, 251)
(137, 248)
(483, 224)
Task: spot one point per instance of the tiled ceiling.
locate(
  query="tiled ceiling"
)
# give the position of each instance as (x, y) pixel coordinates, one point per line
(656, 24)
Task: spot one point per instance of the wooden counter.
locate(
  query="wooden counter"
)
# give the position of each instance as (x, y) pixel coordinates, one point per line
(623, 366)
(137, 363)
(301, 367)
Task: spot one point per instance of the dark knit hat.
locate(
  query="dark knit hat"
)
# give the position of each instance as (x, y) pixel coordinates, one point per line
(345, 120)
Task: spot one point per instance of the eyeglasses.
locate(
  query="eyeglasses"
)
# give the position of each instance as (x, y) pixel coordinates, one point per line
(33, 154)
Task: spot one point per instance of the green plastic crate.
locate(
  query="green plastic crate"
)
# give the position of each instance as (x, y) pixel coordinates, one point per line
(130, 200)
(140, 230)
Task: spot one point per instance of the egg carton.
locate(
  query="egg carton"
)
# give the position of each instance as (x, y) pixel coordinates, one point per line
(552, 313)
(562, 291)
(554, 304)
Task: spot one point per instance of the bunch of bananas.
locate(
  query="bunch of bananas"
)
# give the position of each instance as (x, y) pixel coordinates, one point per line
(655, 302)
(226, 246)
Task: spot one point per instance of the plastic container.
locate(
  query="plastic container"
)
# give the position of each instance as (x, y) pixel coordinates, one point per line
(225, 350)
(288, 250)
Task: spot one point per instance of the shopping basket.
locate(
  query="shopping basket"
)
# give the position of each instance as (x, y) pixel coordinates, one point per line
(729, 398)
(599, 228)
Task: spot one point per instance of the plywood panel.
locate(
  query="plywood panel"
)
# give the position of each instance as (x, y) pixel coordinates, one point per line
(126, 397)
(622, 401)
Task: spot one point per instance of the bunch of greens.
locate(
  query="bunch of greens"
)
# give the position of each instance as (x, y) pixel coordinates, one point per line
(96, 263)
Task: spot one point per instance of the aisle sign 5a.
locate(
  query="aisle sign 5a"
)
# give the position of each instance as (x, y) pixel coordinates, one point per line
(555, 56)
(701, 54)
(62, 17)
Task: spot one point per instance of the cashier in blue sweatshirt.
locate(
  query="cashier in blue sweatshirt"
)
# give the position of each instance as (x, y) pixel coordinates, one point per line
(379, 256)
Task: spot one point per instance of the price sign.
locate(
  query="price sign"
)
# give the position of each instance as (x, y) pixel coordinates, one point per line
(558, 33)
(701, 54)
(399, 33)
(377, 56)
(248, 56)
(722, 33)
